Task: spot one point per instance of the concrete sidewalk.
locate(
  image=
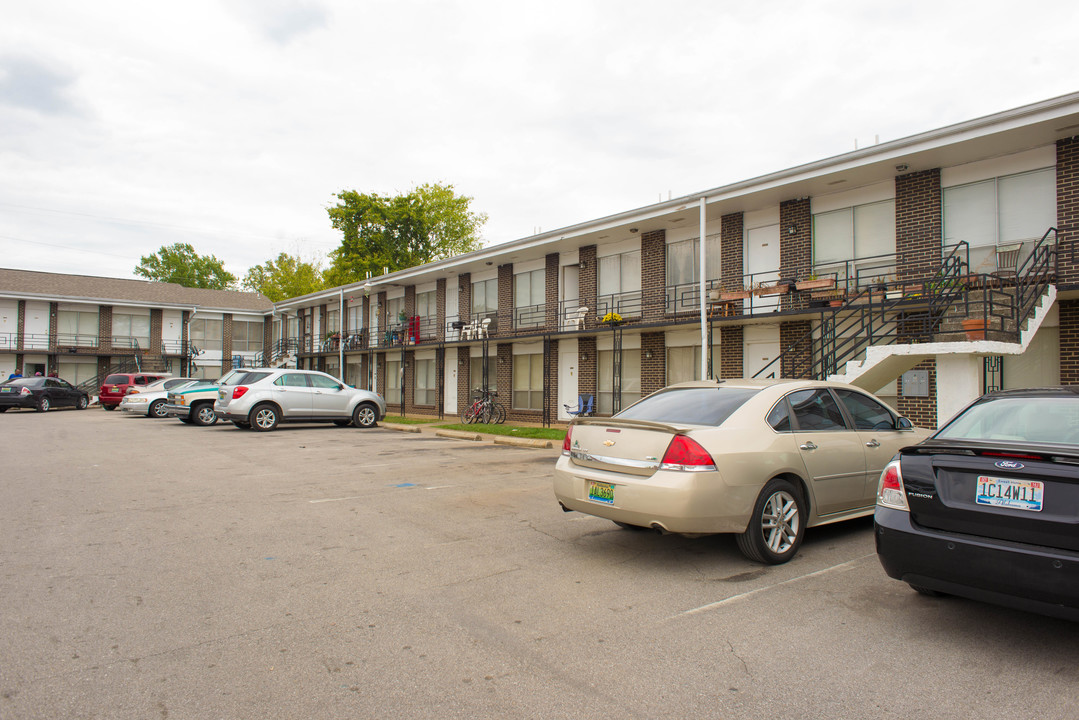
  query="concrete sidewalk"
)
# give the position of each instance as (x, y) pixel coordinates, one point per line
(474, 436)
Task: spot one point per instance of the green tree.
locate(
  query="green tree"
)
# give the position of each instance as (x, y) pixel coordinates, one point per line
(179, 263)
(286, 277)
(429, 223)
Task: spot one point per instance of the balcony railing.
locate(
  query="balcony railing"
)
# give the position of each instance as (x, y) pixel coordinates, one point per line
(530, 317)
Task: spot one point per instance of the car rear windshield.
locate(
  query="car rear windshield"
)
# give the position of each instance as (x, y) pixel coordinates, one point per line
(117, 380)
(690, 406)
(27, 382)
(251, 377)
(1017, 419)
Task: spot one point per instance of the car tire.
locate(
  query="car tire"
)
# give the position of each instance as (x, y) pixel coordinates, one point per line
(156, 409)
(777, 525)
(110, 408)
(925, 591)
(83, 403)
(264, 418)
(203, 414)
(43, 405)
(365, 416)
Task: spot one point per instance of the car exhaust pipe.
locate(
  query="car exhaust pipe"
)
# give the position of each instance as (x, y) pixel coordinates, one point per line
(563, 506)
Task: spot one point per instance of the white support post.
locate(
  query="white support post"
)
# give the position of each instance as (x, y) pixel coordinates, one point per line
(704, 299)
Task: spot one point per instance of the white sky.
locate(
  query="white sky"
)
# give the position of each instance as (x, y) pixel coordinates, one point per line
(230, 124)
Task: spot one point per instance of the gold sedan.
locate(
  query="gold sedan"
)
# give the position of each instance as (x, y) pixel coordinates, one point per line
(761, 458)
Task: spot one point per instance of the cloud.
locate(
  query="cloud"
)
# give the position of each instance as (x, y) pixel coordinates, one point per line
(282, 21)
(28, 84)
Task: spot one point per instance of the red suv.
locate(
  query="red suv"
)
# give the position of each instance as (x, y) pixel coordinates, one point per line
(119, 384)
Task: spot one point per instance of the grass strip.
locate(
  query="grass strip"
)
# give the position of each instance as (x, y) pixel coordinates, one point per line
(510, 430)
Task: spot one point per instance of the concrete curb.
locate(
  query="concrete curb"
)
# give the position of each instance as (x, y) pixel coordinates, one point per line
(402, 428)
(459, 435)
(524, 442)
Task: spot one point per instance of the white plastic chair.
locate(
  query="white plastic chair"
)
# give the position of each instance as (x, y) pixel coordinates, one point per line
(577, 319)
(482, 333)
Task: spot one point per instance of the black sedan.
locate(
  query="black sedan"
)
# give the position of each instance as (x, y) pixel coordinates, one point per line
(988, 506)
(41, 394)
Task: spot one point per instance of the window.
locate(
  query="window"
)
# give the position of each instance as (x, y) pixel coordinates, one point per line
(427, 304)
(395, 310)
(693, 406)
(205, 334)
(323, 382)
(202, 371)
(475, 373)
(354, 376)
(77, 372)
(246, 336)
(76, 328)
(485, 297)
(684, 363)
(620, 284)
(999, 211)
(393, 381)
(868, 414)
(529, 298)
(136, 327)
(684, 271)
(631, 380)
(291, 380)
(528, 381)
(861, 233)
(333, 322)
(426, 382)
(816, 410)
(355, 318)
(779, 418)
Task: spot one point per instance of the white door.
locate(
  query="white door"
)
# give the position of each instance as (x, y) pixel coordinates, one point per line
(761, 348)
(570, 292)
(762, 263)
(567, 377)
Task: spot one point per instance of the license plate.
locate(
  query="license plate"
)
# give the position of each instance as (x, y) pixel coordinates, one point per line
(115, 389)
(601, 492)
(7, 389)
(1014, 494)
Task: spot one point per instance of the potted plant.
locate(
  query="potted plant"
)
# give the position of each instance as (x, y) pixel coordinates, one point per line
(974, 328)
(815, 283)
(612, 318)
(779, 287)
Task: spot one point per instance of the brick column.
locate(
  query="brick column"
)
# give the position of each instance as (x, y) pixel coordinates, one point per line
(104, 327)
(1068, 210)
(464, 297)
(464, 375)
(440, 308)
(654, 370)
(54, 323)
(505, 299)
(731, 352)
(550, 278)
(586, 366)
(797, 363)
(226, 342)
(1069, 342)
(501, 363)
(383, 313)
(588, 283)
(20, 326)
(156, 323)
(380, 368)
(653, 275)
(731, 251)
(408, 385)
(267, 337)
(919, 230)
(922, 411)
(552, 388)
(795, 248)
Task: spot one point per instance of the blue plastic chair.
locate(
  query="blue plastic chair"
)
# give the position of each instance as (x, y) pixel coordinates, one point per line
(584, 406)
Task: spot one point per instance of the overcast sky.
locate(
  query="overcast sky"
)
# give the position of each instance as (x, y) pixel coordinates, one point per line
(230, 124)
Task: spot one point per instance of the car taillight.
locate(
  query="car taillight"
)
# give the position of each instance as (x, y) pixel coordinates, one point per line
(565, 443)
(238, 392)
(131, 391)
(685, 453)
(25, 391)
(890, 491)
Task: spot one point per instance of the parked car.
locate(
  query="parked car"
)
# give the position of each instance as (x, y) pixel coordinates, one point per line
(763, 459)
(117, 385)
(268, 396)
(150, 400)
(193, 403)
(41, 394)
(988, 507)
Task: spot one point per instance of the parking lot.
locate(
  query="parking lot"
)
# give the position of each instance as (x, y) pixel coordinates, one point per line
(152, 569)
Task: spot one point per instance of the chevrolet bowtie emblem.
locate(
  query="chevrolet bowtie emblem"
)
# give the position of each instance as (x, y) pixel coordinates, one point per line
(608, 443)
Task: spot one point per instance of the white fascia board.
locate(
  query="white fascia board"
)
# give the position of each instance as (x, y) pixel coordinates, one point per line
(93, 301)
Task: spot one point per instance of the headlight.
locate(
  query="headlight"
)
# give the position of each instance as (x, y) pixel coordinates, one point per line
(132, 400)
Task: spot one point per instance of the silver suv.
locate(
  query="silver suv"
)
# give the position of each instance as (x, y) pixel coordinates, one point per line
(264, 397)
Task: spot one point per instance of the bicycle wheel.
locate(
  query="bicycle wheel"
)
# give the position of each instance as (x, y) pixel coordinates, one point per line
(470, 415)
(500, 413)
(485, 414)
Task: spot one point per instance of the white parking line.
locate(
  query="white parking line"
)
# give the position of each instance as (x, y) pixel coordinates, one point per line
(732, 598)
(350, 497)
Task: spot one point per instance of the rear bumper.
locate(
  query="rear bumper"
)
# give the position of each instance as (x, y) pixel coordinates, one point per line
(1027, 577)
(22, 401)
(180, 411)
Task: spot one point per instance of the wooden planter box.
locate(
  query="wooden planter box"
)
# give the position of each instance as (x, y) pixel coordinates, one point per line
(730, 295)
(773, 290)
(818, 284)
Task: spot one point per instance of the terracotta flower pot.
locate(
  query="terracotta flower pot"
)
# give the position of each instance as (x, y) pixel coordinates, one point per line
(974, 328)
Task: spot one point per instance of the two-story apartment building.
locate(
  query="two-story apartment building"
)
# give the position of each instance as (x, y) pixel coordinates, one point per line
(862, 266)
(84, 327)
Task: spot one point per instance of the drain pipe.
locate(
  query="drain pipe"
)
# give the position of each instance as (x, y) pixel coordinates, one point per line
(188, 355)
(704, 313)
(341, 338)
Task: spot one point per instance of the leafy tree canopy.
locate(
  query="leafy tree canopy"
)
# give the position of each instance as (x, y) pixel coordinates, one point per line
(286, 277)
(429, 223)
(179, 263)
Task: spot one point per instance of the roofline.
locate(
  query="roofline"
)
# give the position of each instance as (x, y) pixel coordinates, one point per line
(903, 146)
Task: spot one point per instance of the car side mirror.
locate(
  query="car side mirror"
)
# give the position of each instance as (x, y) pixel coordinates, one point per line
(904, 424)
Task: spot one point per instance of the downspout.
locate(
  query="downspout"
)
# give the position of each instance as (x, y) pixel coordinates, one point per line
(188, 355)
(341, 339)
(704, 313)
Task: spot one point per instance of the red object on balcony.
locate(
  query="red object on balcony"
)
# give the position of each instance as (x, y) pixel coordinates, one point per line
(414, 329)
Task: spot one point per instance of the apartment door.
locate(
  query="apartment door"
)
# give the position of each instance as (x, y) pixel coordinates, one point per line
(762, 263)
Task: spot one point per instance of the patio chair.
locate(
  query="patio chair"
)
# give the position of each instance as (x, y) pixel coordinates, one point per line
(584, 406)
(482, 332)
(576, 320)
